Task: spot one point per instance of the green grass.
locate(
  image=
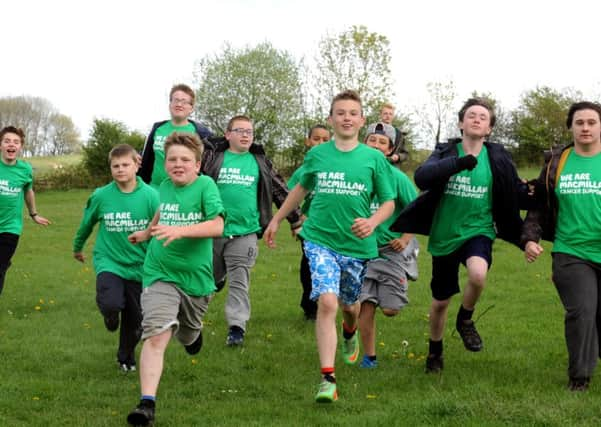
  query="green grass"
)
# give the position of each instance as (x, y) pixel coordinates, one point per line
(57, 362)
(42, 165)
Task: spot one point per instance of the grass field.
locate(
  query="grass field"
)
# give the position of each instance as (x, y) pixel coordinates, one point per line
(57, 362)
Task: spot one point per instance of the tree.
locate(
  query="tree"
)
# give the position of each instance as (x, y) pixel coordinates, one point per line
(539, 122)
(436, 118)
(104, 136)
(260, 82)
(354, 59)
(63, 137)
(46, 130)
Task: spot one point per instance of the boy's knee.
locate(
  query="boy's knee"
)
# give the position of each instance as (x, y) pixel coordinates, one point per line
(328, 303)
(440, 305)
(389, 312)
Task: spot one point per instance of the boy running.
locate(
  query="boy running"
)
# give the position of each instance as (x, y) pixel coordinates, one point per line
(317, 135)
(473, 194)
(125, 205)
(385, 282)
(16, 181)
(338, 234)
(178, 273)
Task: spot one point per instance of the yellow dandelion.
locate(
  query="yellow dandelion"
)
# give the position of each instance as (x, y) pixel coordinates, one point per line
(41, 301)
(371, 396)
(268, 336)
(273, 275)
(194, 361)
(113, 413)
(411, 355)
(38, 308)
(382, 344)
(51, 301)
(35, 398)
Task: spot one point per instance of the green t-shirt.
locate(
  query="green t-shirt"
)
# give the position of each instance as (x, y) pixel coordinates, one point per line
(238, 182)
(186, 262)
(578, 192)
(465, 209)
(119, 215)
(15, 181)
(160, 136)
(405, 194)
(292, 183)
(344, 182)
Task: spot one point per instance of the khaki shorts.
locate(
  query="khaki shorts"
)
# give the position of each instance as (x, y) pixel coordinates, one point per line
(165, 306)
(385, 282)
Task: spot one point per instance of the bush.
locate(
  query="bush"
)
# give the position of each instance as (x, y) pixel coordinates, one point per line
(66, 178)
(105, 135)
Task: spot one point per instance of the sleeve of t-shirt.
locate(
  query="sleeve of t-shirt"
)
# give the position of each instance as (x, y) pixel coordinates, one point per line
(406, 190)
(212, 206)
(90, 218)
(29, 184)
(383, 179)
(307, 173)
(154, 201)
(294, 178)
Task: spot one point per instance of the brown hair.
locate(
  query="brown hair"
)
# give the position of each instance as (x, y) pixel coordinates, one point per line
(188, 140)
(123, 150)
(182, 88)
(238, 118)
(584, 105)
(346, 95)
(11, 129)
(387, 105)
(482, 102)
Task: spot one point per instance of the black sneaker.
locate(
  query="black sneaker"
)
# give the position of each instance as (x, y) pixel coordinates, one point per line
(195, 347)
(235, 336)
(469, 335)
(310, 315)
(578, 384)
(434, 363)
(219, 285)
(126, 367)
(111, 321)
(143, 414)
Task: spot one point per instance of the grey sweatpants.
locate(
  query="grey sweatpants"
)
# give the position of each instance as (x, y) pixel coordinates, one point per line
(234, 257)
(577, 282)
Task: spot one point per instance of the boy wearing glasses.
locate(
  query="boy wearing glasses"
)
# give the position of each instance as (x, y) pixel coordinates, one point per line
(248, 185)
(181, 105)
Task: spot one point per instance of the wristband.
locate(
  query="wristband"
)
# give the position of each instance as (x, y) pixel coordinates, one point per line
(33, 214)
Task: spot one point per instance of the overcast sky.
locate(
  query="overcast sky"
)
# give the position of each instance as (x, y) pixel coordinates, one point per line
(117, 59)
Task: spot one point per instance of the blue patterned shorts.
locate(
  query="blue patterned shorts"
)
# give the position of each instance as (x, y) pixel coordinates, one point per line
(334, 273)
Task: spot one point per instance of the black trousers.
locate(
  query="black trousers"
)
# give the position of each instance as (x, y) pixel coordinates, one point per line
(113, 295)
(8, 245)
(308, 306)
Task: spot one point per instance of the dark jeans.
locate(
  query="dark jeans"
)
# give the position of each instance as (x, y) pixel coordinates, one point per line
(113, 295)
(8, 245)
(307, 304)
(577, 282)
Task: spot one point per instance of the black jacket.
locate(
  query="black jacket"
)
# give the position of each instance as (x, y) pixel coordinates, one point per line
(271, 188)
(509, 194)
(145, 171)
(541, 220)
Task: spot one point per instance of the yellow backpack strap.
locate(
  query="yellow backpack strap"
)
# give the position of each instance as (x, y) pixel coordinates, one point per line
(562, 161)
